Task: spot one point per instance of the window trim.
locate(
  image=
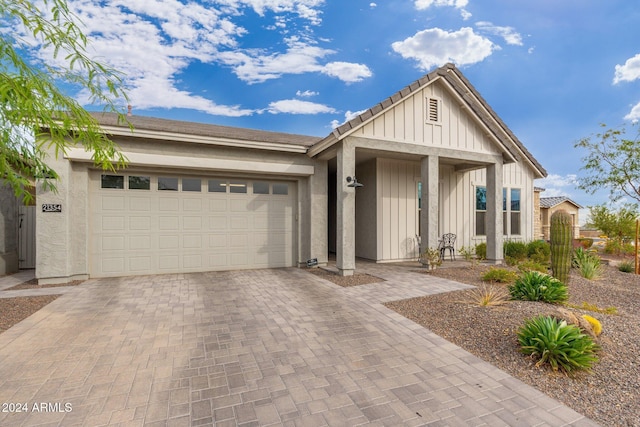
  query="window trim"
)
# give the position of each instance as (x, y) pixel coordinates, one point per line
(507, 212)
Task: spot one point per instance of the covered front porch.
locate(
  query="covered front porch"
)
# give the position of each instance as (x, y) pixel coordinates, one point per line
(410, 193)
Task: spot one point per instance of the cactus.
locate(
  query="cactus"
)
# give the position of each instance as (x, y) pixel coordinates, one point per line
(561, 245)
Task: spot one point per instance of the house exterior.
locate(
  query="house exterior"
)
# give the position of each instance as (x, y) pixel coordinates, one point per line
(549, 205)
(434, 158)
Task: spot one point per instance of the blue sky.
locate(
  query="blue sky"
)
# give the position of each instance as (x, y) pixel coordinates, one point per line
(553, 70)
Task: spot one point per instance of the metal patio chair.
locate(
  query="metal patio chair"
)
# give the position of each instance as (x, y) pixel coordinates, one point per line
(448, 242)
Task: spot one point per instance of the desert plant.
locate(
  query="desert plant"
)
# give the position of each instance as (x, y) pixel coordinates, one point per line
(595, 324)
(587, 262)
(467, 253)
(539, 251)
(561, 244)
(431, 257)
(564, 347)
(536, 286)
(532, 265)
(486, 296)
(593, 307)
(515, 250)
(481, 250)
(626, 267)
(585, 242)
(500, 275)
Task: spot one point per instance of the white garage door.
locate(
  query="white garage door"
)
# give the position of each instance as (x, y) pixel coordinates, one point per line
(154, 224)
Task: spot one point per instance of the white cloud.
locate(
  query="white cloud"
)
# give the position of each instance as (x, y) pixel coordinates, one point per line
(556, 185)
(296, 106)
(373, 5)
(347, 72)
(628, 72)
(435, 47)
(634, 114)
(458, 4)
(349, 115)
(509, 34)
(153, 42)
(306, 93)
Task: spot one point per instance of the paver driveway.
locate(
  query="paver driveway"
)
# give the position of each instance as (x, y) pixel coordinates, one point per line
(263, 347)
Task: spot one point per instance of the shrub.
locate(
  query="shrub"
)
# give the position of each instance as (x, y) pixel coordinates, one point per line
(532, 265)
(585, 242)
(562, 346)
(626, 267)
(595, 324)
(481, 250)
(486, 296)
(592, 307)
(499, 275)
(588, 263)
(539, 251)
(613, 246)
(515, 250)
(536, 286)
(466, 252)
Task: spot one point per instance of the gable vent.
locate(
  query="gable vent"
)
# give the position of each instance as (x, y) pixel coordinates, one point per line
(433, 109)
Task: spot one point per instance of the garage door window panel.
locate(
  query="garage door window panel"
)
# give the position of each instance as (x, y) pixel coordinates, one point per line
(281, 189)
(191, 184)
(217, 186)
(167, 184)
(260, 187)
(238, 187)
(112, 181)
(139, 183)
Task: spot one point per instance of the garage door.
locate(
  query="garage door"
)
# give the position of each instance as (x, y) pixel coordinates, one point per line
(154, 224)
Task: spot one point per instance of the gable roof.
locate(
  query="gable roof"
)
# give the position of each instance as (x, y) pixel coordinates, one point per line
(550, 202)
(156, 128)
(465, 90)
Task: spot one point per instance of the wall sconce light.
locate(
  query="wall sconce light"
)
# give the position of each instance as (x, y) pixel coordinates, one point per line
(353, 182)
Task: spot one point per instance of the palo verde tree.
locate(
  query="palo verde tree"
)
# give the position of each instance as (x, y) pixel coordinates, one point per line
(35, 113)
(619, 224)
(612, 163)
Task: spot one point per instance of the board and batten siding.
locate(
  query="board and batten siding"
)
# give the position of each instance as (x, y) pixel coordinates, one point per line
(386, 230)
(397, 209)
(407, 122)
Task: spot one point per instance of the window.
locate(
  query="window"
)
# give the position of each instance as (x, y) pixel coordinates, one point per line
(510, 211)
(139, 183)
(112, 181)
(217, 186)
(433, 110)
(260, 187)
(515, 211)
(191, 184)
(282, 189)
(481, 210)
(238, 187)
(167, 184)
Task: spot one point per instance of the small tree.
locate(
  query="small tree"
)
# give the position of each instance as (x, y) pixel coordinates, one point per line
(35, 113)
(612, 163)
(620, 224)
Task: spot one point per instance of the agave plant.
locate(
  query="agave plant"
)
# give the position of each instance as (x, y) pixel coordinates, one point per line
(536, 286)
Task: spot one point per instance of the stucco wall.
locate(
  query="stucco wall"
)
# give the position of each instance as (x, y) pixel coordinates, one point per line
(8, 230)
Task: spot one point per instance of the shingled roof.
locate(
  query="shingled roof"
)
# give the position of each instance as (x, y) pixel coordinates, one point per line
(205, 130)
(466, 91)
(549, 202)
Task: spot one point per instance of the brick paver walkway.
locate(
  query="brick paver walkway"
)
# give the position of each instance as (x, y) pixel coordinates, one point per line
(253, 348)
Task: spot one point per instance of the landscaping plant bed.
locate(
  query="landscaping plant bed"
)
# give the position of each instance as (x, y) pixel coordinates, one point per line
(610, 394)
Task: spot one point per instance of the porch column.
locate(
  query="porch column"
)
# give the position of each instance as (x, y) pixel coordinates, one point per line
(345, 211)
(494, 213)
(429, 176)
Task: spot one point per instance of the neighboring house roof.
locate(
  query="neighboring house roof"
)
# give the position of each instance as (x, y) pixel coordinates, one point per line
(110, 123)
(550, 202)
(466, 91)
(539, 189)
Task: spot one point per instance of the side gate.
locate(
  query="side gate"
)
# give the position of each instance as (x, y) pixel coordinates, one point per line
(27, 237)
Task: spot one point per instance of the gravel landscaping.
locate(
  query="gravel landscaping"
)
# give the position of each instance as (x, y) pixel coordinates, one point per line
(610, 394)
(14, 310)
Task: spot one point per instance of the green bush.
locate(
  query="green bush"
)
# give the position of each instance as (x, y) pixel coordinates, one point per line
(515, 250)
(536, 286)
(499, 275)
(587, 262)
(481, 250)
(539, 251)
(532, 265)
(627, 267)
(562, 346)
